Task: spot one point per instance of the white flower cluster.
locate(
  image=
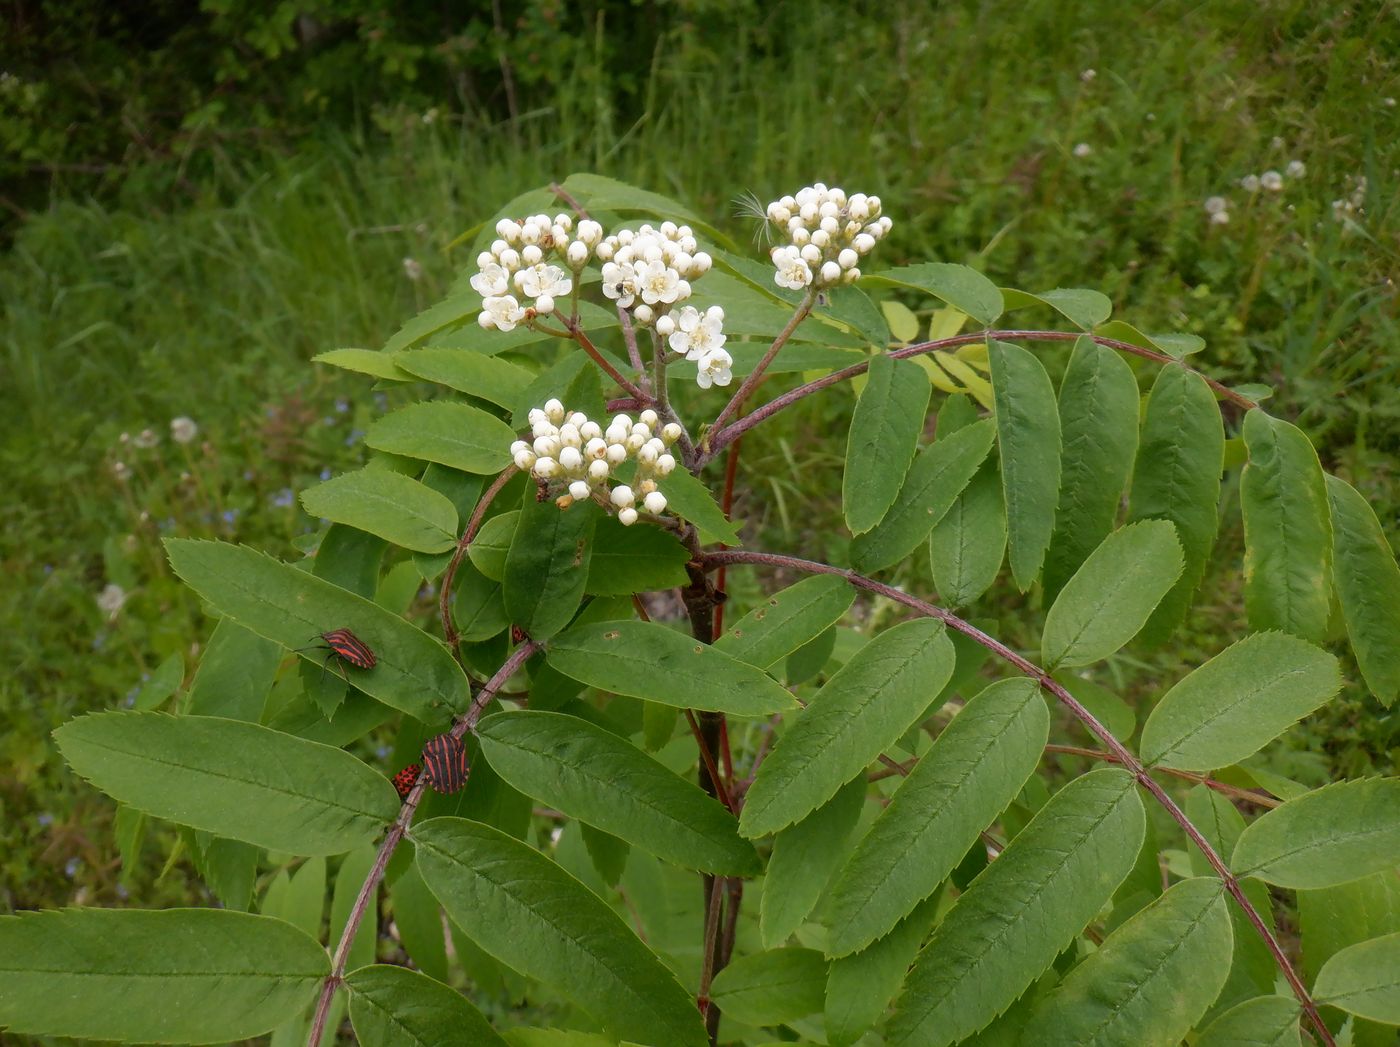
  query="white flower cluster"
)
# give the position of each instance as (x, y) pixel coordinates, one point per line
(581, 455)
(1354, 203)
(522, 260)
(827, 233)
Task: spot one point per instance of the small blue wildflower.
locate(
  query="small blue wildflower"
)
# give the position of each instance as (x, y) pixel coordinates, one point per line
(382, 752)
(355, 436)
(129, 700)
(48, 568)
(168, 524)
(98, 639)
(381, 402)
(248, 474)
(44, 818)
(326, 473)
(284, 498)
(230, 516)
(122, 892)
(70, 869)
(341, 405)
(328, 420)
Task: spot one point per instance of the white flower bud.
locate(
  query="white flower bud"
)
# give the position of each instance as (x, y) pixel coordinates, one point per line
(627, 517)
(821, 238)
(671, 432)
(596, 448)
(666, 325)
(484, 259)
(643, 314)
(571, 459)
(510, 258)
(524, 458)
(580, 489)
(665, 464)
(864, 243)
(569, 435)
(809, 214)
(546, 467)
(507, 230)
(554, 411)
(831, 226)
(655, 503)
(811, 254)
(647, 454)
(498, 248)
(831, 272)
(700, 263)
(530, 234)
(598, 471)
(800, 237)
(622, 496)
(617, 454)
(532, 255)
(518, 446)
(590, 430)
(852, 275)
(847, 258)
(604, 251)
(577, 254)
(544, 304)
(547, 446)
(648, 418)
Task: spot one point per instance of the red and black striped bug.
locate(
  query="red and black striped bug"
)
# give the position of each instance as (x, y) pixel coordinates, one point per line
(404, 780)
(346, 646)
(445, 759)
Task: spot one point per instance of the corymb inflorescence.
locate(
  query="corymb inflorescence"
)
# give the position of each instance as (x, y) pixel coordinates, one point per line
(827, 232)
(538, 259)
(582, 459)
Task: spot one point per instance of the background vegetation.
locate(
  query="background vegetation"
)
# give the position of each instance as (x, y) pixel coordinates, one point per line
(203, 197)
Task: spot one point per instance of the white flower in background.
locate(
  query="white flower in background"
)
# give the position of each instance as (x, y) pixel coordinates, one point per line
(493, 280)
(1250, 183)
(146, 439)
(1295, 169)
(1220, 218)
(412, 269)
(697, 333)
(1082, 150)
(827, 233)
(183, 430)
(111, 600)
(1088, 75)
(714, 368)
(501, 312)
(121, 472)
(1272, 181)
(1216, 204)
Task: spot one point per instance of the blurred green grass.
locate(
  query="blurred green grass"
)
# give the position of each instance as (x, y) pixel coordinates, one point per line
(981, 127)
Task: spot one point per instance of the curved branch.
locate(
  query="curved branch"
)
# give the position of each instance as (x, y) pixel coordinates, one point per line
(727, 435)
(449, 627)
(1121, 754)
(747, 386)
(396, 833)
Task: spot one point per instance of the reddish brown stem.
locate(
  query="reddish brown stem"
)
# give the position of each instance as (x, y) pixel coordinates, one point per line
(1119, 751)
(1224, 788)
(577, 333)
(721, 438)
(568, 198)
(449, 627)
(708, 758)
(749, 384)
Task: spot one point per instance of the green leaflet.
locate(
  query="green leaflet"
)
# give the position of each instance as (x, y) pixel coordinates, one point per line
(364, 361)
(451, 310)
(1022, 910)
(691, 500)
(491, 546)
(418, 917)
(1368, 584)
(1364, 980)
(445, 432)
(934, 482)
(530, 914)
(859, 987)
(967, 546)
(861, 711)
(1028, 435)
(397, 1007)
(1112, 594)
(803, 859)
(1239, 701)
(478, 606)
(177, 976)
(975, 768)
(485, 377)
(1287, 530)
(395, 507)
(414, 672)
(1152, 978)
(883, 437)
(593, 775)
(232, 778)
(1266, 1021)
(1341, 832)
(1081, 307)
(787, 620)
(1177, 477)
(646, 660)
(1332, 918)
(1099, 422)
(627, 560)
(547, 566)
(770, 988)
(963, 288)
(235, 673)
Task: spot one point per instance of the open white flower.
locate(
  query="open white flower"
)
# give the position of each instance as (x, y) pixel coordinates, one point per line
(698, 333)
(620, 283)
(659, 283)
(183, 430)
(543, 280)
(792, 271)
(501, 312)
(714, 368)
(493, 280)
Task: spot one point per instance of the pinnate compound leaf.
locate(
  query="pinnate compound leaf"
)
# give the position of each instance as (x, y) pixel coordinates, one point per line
(937, 477)
(770, 988)
(1099, 427)
(396, 1007)
(1364, 980)
(884, 435)
(1265, 1021)
(546, 568)
(485, 377)
(1341, 832)
(803, 859)
(1113, 593)
(627, 560)
(647, 660)
(176, 976)
(1287, 530)
(232, 778)
(963, 288)
(414, 672)
(1368, 585)
(1028, 435)
(864, 708)
(1022, 910)
(593, 775)
(975, 768)
(534, 917)
(445, 432)
(1150, 981)
(1239, 701)
(967, 546)
(395, 507)
(1177, 478)
(859, 987)
(787, 620)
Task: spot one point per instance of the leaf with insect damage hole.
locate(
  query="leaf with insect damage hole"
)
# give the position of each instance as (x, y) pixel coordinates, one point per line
(788, 619)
